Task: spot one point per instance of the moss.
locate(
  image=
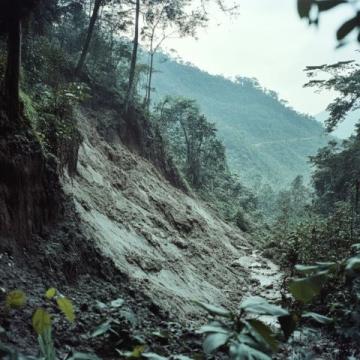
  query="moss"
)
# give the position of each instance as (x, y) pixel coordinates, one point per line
(29, 109)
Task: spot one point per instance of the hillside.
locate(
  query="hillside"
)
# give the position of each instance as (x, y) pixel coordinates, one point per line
(167, 242)
(126, 234)
(262, 135)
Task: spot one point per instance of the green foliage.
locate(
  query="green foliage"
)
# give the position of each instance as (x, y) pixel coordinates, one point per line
(344, 275)
(66, 307)
(242, 334)
(41, 320)
(262, 135)
(342, 77)
(336, 177)
(192, 142)
(312, 9)
(308, 228)
(46, 344)
(50, 293)
(29, 109)
(306, 289)
(15, 299)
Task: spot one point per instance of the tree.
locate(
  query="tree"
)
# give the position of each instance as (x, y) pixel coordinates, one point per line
(11, 17)
(345, 80)
(85, 49)
(193, 138)
(164, 19)
(311, 10)
(133, 56)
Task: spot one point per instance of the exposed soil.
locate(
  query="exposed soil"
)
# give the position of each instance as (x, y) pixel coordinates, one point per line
(128, 233)
(59, 261)
(172, 246)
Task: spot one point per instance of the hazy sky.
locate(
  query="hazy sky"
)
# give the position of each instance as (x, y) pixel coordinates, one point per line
(269, 41)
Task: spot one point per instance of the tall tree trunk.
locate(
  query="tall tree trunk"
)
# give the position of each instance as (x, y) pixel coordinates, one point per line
(357, 195)
(89, 35)
(12, 76)
(133, 57)
(148, 96)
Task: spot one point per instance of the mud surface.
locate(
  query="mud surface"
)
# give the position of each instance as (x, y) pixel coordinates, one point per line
(172, 246)
(129, 234)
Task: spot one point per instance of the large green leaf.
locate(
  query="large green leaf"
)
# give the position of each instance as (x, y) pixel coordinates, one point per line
(41, 321)
(246, 338)
(307, 269)
(117, 303)
(347, 27)
(214, 341)
(330, 265)
(353, 263)
(83, 356)
(153, 356)
(102, 329)
(245, 352)
(318, 318)
(260, 306)
(318, 267)
(50, 293)
(304, 7)
(181, 357)
(214, 327)
(214, 310)
(67, 308)
(266, 334)
(288, 324)
(306, 289)
(325, 5)
(356, 247)
(15, 299)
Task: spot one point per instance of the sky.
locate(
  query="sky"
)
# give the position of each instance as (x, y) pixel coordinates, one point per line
(267, 40)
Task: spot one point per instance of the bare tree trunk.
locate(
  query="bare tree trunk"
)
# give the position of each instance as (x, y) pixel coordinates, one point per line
(12, 76)
(148, 95)
(89, 35)
(133, 57)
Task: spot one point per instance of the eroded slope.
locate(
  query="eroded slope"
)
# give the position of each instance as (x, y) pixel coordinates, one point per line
(173, 247)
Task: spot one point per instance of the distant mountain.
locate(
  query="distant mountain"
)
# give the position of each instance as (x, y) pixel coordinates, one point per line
(344, 129)
(263, 136)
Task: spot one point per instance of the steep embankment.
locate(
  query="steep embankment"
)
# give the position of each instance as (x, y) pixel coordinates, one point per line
(261, 134)
(172, 247)
(124, 232)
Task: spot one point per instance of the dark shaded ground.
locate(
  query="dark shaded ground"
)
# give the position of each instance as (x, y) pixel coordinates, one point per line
(68, 263)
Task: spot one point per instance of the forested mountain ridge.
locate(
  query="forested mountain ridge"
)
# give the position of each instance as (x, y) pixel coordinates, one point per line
(262, 135)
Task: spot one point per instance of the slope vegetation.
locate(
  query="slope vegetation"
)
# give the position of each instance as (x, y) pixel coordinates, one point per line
(263, 136)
